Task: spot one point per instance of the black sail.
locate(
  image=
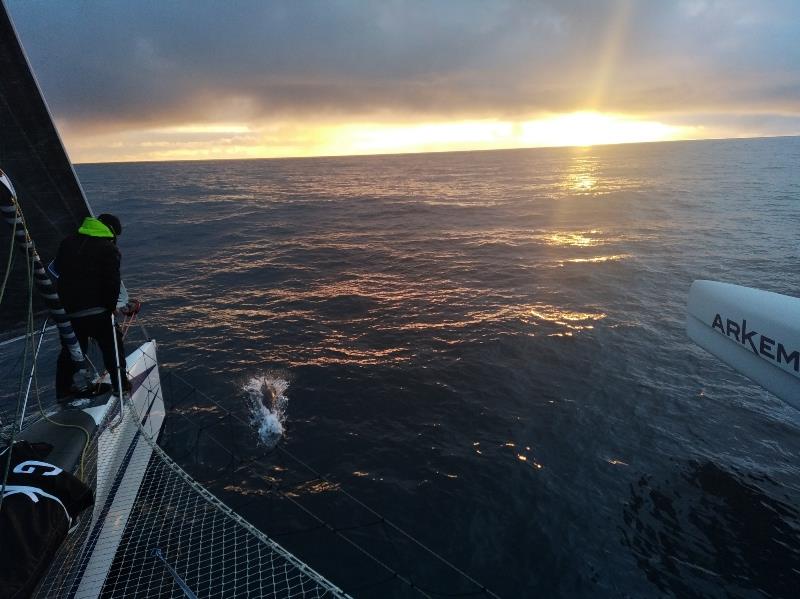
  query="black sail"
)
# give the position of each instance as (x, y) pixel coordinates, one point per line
(32, 155)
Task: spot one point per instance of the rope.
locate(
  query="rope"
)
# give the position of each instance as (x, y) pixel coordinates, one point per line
(321, 523)
(30, 378)
(17, 415)
(214, 501)
(9, 263)
(65, 425)
(395, 527)
(34, 378)
(482, 589)
(159, 555)
(338, 531)
(13, 340)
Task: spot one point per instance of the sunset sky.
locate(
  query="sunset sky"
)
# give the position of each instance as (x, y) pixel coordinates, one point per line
(191, 79)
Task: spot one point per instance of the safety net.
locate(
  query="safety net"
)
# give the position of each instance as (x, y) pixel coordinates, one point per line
(167, 536)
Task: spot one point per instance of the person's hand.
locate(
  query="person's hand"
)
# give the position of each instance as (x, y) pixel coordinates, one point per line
(131, 308)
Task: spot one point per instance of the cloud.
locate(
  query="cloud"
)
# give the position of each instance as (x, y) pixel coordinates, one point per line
(116, 65)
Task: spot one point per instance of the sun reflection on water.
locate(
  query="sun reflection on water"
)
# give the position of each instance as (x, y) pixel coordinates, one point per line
(567, 318)
(586, 175)
(582, 176)
(367, 317)
(613, 258)
(582, 182)
(576, 238)
(314, 487)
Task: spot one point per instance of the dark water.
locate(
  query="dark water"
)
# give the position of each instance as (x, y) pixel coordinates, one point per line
(487, 348)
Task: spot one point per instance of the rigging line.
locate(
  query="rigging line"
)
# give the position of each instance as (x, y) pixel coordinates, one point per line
(397, 528)
(20, 337)
(400, 558)
(335, 531)
(30, 377)
(279, 489)
(12, 368)
(10, 261)
(369, 585)
(250, 464)
(377, 560)
(283, 494)
(144, 330)
(299, 531)
(20, 417)
(17, 416)
(358, 526)
(444, 594)
(393, 545)
(232, 456)
(389, 523)
(62, 424)
(209, 497)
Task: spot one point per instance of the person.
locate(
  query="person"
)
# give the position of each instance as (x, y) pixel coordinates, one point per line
(87, 266)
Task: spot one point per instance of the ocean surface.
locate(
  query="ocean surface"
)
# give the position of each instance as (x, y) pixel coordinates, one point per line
(486, 348)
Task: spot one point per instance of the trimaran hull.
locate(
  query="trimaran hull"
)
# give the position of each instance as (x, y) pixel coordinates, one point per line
(119, 478)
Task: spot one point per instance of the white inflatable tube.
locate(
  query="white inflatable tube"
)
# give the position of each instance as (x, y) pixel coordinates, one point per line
(756, 332)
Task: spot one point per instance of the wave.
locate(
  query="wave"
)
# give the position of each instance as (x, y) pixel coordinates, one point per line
(267, 401)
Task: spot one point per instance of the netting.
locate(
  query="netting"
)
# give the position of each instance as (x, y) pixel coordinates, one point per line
(156, 532)
(214, 551)
(168, 536)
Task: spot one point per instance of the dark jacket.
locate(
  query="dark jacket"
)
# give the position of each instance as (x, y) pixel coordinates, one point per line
(88, 269)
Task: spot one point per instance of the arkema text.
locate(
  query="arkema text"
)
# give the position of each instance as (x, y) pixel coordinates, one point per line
(760, 344)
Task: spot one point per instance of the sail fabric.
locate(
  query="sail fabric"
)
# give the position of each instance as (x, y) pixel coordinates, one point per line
(33, 157)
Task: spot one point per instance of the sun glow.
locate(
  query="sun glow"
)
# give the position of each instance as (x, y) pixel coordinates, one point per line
(204, 128)
(592, 128)
(575, 129)
(272, 140)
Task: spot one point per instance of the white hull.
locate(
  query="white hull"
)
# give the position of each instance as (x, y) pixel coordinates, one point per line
(122, 459)
(116, 459)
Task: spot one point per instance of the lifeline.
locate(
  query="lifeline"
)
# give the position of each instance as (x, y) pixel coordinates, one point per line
(765, 344)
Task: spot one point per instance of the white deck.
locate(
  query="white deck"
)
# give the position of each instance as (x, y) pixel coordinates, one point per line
(122, 459)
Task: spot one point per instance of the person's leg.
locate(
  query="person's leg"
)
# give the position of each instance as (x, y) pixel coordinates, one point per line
(103, 333)
(64, 372)
(65, 367)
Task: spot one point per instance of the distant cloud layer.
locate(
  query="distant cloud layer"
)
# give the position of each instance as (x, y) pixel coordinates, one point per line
(112, 64)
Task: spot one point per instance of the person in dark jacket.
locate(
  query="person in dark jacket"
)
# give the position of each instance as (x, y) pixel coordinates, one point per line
(87, 265)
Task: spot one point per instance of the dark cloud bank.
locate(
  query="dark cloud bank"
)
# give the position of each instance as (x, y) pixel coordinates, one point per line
(113, 62)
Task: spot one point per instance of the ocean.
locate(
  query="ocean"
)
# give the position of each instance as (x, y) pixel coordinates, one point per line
(488, 350)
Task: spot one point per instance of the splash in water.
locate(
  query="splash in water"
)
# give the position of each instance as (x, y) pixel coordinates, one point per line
(267, 401)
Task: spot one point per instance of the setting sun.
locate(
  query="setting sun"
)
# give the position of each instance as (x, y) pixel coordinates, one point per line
(575, 129)
(592, 128)
(357, 137)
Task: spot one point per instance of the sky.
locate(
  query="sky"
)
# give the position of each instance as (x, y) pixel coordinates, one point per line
(196, 79)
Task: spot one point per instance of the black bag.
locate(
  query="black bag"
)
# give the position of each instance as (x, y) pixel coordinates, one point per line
(40, 504)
